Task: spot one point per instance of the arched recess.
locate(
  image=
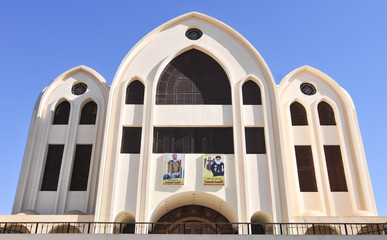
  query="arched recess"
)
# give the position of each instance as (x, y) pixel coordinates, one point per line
(322, 229)
(15, 228)
(125, 223)
(135, 93)
(74, 212)
(193, 77)
(251, 93)
(298, 114)
(28, 212)
(326, 114)
(65, 228)
(89, 113)
(373, 229)
(62, 113)
(260, 223)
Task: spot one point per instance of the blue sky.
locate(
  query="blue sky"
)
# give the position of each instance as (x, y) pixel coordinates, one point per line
(39, 40)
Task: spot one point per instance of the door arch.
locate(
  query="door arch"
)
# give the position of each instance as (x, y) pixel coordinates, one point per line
(193, 219)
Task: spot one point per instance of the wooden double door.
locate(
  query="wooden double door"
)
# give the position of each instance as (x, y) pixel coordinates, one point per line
(193, 219)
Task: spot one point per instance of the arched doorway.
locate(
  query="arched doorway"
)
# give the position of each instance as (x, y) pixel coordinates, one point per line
(193, 219)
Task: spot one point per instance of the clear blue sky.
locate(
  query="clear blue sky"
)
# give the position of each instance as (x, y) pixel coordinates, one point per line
(39, 40)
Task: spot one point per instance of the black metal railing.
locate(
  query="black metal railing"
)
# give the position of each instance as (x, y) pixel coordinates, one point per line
(195, 228)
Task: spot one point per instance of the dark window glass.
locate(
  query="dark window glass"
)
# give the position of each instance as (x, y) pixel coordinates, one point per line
(131, 140)
(335, 169)
(81, 168)
(89, 113)
(255, 140)
(193, 78)
(193, 140)
(298, 114)
(52, 168)
(193, 34)
(251, 93)
(326, 114)
(62, 113)
(307, 89)
(135, 93)
(305, 167)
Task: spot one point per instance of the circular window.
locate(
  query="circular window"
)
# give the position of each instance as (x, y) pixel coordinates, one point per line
(79, 89)
(193, 34)
(307, 89)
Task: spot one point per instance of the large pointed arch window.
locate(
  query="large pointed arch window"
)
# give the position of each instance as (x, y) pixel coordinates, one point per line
(89, 113)
(251, 93)
(326, 114)
(298, 114)
(135, 93)
(62, 113)
(193, 77)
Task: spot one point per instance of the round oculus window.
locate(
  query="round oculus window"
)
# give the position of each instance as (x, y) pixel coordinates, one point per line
(79, 89)
(193, 34)
(307, 89)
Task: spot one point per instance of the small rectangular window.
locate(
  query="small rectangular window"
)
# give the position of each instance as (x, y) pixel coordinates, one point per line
(255, 140)
(193, 140)
(52, 168)
(131, 140)
(305, 167)
(335, 169)
(81, 168)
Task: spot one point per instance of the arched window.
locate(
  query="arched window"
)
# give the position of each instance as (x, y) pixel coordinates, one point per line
(326, 114)
(298, 114)
(193, 78)
(135, 93)
(62, 113)
(251, 93)
(89, 113)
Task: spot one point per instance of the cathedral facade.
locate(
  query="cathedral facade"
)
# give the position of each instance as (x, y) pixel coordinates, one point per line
(195, 121)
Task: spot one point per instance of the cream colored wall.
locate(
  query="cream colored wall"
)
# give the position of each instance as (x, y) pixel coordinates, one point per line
(324, 202)
(145, 62)
(43, 133)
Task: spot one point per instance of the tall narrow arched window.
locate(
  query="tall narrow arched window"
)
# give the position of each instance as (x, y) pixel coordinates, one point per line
(251, 93)
(62, 113)
(326, 114)
(135, 93)
(298, 114)
(193, 77)
(89, 113)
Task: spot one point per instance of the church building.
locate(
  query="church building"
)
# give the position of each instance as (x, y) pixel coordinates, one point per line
(194, 128)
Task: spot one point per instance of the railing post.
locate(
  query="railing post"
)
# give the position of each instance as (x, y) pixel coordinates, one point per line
(5, 228)
(68, 227)
(36, 229)
(314, 230)
(88, 229)
(346, 230)
(280, 225)
(377, 226)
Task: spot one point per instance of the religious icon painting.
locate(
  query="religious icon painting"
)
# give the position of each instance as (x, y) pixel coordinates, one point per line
(213, 169)
(173, 169)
